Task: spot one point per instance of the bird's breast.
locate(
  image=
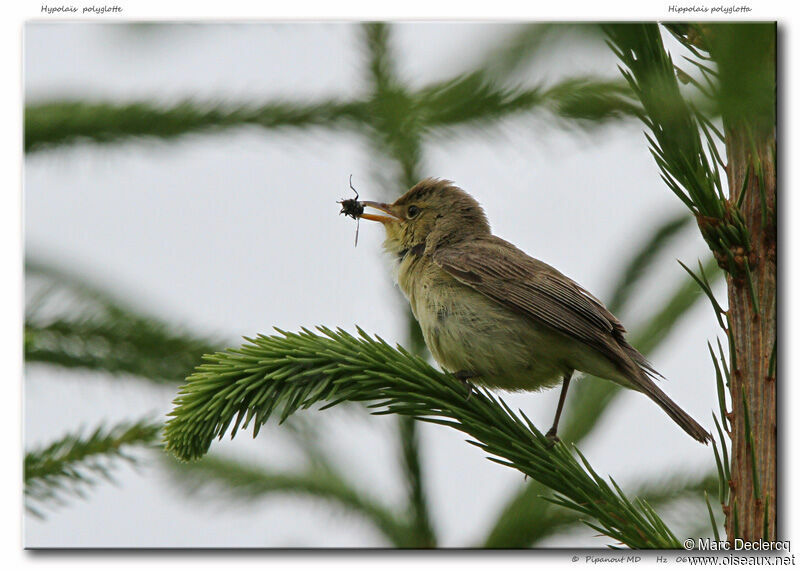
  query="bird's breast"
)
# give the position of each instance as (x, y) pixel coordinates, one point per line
(466, 331)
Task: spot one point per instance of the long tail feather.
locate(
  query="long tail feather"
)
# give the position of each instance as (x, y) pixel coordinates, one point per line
(676, 413)
(644, 383)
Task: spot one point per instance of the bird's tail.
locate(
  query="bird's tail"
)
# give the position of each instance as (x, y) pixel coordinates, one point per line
(676, 413)
(646, 385)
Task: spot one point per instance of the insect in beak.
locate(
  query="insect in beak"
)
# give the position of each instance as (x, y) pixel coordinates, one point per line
(353, 208)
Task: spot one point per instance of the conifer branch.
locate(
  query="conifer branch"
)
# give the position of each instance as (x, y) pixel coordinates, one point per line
(682, 140)
(675, 141)
(64, 122)
(466, 100)
(421, 526)
(72, 323)
(74, 462)
(542, 519)
(280, 374)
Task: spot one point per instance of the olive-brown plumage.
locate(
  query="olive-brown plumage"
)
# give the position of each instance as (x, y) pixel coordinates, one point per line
(493, 315)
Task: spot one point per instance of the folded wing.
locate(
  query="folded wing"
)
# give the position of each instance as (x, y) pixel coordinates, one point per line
(534, 289)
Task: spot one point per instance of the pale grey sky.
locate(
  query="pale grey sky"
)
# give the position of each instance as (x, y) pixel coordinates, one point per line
(233, 233)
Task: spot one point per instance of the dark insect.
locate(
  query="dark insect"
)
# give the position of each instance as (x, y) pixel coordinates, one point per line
(353, 208)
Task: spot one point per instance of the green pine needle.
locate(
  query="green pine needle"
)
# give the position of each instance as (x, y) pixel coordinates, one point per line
(675, 125)
(713, 519)
(751, 445)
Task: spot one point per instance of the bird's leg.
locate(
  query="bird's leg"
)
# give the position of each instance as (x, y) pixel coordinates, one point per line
(464, 377)
(551, 434)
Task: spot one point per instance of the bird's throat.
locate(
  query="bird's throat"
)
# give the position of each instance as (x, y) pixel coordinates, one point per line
(415, 250)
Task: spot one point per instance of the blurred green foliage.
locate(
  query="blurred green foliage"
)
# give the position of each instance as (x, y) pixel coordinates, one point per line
(103, 334)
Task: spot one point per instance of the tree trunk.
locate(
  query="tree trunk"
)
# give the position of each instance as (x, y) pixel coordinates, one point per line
(750, 513)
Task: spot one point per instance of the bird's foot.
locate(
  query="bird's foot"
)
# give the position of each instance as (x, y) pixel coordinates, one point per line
(464, 377)
(552, 437)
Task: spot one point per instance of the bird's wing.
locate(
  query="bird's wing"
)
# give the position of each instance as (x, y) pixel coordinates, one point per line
(507, 275)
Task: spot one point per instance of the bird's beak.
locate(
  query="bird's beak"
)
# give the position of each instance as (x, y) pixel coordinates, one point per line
(387, 208)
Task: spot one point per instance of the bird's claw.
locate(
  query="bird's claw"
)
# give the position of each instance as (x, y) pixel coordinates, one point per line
(552, 437)
(464, 377)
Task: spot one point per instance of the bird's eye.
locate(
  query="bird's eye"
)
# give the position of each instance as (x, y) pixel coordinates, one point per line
(413, 211)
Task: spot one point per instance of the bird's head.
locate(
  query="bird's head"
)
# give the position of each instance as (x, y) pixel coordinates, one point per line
(433, 212)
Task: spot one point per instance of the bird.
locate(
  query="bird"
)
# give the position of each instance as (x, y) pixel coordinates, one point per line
(495, 317)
